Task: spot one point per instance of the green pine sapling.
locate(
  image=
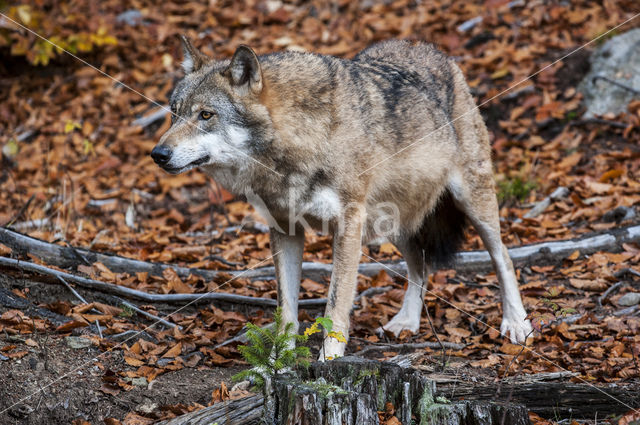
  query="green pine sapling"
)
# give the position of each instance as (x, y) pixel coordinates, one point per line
(272, 351)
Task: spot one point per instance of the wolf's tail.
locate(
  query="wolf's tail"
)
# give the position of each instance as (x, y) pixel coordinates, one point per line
(442, 232)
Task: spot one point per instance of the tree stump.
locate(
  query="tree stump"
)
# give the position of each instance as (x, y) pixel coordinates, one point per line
(352, 390)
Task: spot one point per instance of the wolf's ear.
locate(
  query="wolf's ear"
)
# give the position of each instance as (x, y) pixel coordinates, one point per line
(244, 69)
(193, 58)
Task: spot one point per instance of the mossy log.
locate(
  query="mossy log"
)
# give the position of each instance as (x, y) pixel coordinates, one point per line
(351, 391)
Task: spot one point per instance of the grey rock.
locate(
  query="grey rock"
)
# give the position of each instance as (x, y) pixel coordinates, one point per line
(618, 59)
(77, 342)
(131, 17)
(148, 407)
(138, 382)
(629, 299)
(619, 214)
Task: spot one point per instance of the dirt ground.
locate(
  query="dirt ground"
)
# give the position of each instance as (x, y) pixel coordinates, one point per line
(59, 384)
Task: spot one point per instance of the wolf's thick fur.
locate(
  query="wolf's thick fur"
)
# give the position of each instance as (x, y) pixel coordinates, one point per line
(300, 131)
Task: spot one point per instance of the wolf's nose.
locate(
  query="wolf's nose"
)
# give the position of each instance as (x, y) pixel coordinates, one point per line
(161, 155)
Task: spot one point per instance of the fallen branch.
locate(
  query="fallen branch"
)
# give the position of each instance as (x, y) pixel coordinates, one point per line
(602, 298)
(541, 206)
(65, 257)
(161, 298)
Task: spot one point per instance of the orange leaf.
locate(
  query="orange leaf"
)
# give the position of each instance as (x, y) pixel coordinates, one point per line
(66, 327)
(133, 361)
(610, 175)
(574, 255)
(173, 351)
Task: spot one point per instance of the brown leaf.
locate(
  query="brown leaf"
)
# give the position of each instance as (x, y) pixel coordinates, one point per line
(589, 284)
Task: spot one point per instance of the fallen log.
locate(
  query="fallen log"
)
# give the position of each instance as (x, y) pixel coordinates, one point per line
(551, 399)
(10, 300)
(66, 257)
(352, 391)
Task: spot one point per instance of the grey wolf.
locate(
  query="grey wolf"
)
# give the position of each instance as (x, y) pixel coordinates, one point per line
(299, 131)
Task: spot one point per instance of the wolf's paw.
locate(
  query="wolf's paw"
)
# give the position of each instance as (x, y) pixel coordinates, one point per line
(399, 323)
(518, 328)
(331, 349)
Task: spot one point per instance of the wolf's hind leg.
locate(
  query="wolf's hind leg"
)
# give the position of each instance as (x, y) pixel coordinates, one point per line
(480, 204)
(408, 318)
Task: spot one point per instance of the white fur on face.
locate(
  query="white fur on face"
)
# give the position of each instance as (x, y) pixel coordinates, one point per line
(221, 150)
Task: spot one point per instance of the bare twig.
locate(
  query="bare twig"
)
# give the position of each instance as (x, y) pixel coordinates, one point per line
(370, 292)
(73, 291)
(435, 333)
(615, 83)
(78, 296)
(626, 311)
(29, 224)
(21, 211)
(625, 271)
(149, 315)
(156, 115)
(602, 298)
(615, 124)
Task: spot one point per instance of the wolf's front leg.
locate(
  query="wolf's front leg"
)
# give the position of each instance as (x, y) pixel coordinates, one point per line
(287, 251)
(347, 243)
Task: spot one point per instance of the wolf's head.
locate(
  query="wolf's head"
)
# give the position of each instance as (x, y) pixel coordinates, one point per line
(217, 118)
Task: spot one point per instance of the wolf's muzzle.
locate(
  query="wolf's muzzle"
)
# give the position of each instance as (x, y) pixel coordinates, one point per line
(161, 154)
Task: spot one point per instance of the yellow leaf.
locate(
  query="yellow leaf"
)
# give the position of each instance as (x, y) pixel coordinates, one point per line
(24, 12)
(312, 329)
(337, 335)
(10, 149)
(500, 73)
(70, 126)
(87, 147)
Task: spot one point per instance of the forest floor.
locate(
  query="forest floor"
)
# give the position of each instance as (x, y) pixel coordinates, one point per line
(76, 171)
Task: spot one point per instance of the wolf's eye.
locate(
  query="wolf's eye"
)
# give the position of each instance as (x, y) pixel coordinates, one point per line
(205, 115)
